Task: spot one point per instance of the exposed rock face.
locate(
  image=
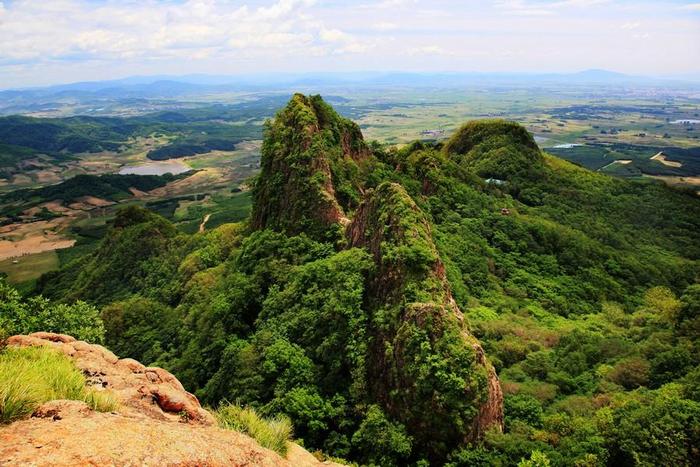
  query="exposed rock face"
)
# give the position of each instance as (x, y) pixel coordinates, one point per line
(143, 391)
(159, 423)
(308, 152)
(68, 433)
(420, 322)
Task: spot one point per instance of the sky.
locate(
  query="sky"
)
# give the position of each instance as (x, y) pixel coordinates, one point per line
(57, 41)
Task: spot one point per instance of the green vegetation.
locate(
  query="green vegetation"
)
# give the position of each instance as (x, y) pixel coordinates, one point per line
(137, 245)
(310, 160)
(274, 433)
(28, 144)
(176, 150)
(61, 136)
(20, 316)
(34, 375)
(581, 288)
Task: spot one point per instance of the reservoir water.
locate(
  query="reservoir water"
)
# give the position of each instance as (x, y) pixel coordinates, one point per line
(566, 146)
(174, 167)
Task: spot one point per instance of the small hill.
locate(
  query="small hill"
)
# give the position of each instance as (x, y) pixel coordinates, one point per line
(496, 149)
(134, 245)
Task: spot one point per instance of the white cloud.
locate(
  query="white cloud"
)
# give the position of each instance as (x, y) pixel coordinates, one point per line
(70, 40)
(429, 50)
(385, 26)
(386, 4)
(67, 29)
(333, 35)
(543, 8)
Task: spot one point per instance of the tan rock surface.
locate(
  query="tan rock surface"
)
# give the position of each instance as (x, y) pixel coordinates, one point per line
(158, 423)
(68, 433)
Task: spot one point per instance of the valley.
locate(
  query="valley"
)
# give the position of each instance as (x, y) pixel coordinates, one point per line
(637, 135)
(392, 233)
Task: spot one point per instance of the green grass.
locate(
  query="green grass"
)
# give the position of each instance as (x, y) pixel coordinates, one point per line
(34, 375)
(272, 433)
(29, 267)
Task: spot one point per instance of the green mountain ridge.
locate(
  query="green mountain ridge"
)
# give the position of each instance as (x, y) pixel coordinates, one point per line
(376, 293)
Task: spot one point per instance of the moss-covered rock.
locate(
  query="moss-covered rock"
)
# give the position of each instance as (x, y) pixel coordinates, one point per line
(424, 367)
(310, 173)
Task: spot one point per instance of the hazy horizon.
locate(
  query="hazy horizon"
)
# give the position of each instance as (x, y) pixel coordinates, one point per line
(588, 76)
(64, 41)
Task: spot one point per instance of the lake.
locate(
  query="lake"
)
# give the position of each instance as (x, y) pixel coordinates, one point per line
(174, 167)
(566, 146)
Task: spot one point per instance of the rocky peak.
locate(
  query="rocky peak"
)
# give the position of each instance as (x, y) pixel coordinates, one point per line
(308, 158)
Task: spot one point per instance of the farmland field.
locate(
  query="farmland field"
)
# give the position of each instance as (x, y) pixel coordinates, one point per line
(644, 134)
(29, 267)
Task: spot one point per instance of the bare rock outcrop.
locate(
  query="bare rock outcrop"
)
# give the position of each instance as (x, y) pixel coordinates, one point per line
(158, 422)
(68, 433)
(143, 391)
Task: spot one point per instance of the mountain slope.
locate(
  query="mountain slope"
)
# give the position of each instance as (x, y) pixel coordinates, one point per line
(374, 295)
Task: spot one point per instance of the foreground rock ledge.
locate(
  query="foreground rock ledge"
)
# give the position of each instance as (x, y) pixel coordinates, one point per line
(159, 423)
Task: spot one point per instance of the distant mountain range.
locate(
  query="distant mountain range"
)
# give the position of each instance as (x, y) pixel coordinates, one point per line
(152, 93)
(164, 85)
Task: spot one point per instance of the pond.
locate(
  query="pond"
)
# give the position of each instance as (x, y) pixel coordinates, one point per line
(174, 167)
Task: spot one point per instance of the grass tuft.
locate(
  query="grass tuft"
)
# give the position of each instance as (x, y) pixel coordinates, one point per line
(34, 375)
(101, 401)
(272, 433)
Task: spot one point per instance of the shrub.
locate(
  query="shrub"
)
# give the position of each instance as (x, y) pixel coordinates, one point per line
(382, 441)
(655, 428)
(630, 373)
(522, 407)
(31, 376)
(537, 459)
(272, 433)
(20, 316)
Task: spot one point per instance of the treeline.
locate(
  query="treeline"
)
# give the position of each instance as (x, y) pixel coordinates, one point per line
(185, 149)
(213, 127)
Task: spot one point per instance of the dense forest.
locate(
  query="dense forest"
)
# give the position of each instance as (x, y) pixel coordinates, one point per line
(376, 292)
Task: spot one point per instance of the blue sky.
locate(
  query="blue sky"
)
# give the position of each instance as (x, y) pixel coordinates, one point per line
(52, 41)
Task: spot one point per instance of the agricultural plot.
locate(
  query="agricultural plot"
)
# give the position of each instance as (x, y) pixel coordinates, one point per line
(30, 267)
